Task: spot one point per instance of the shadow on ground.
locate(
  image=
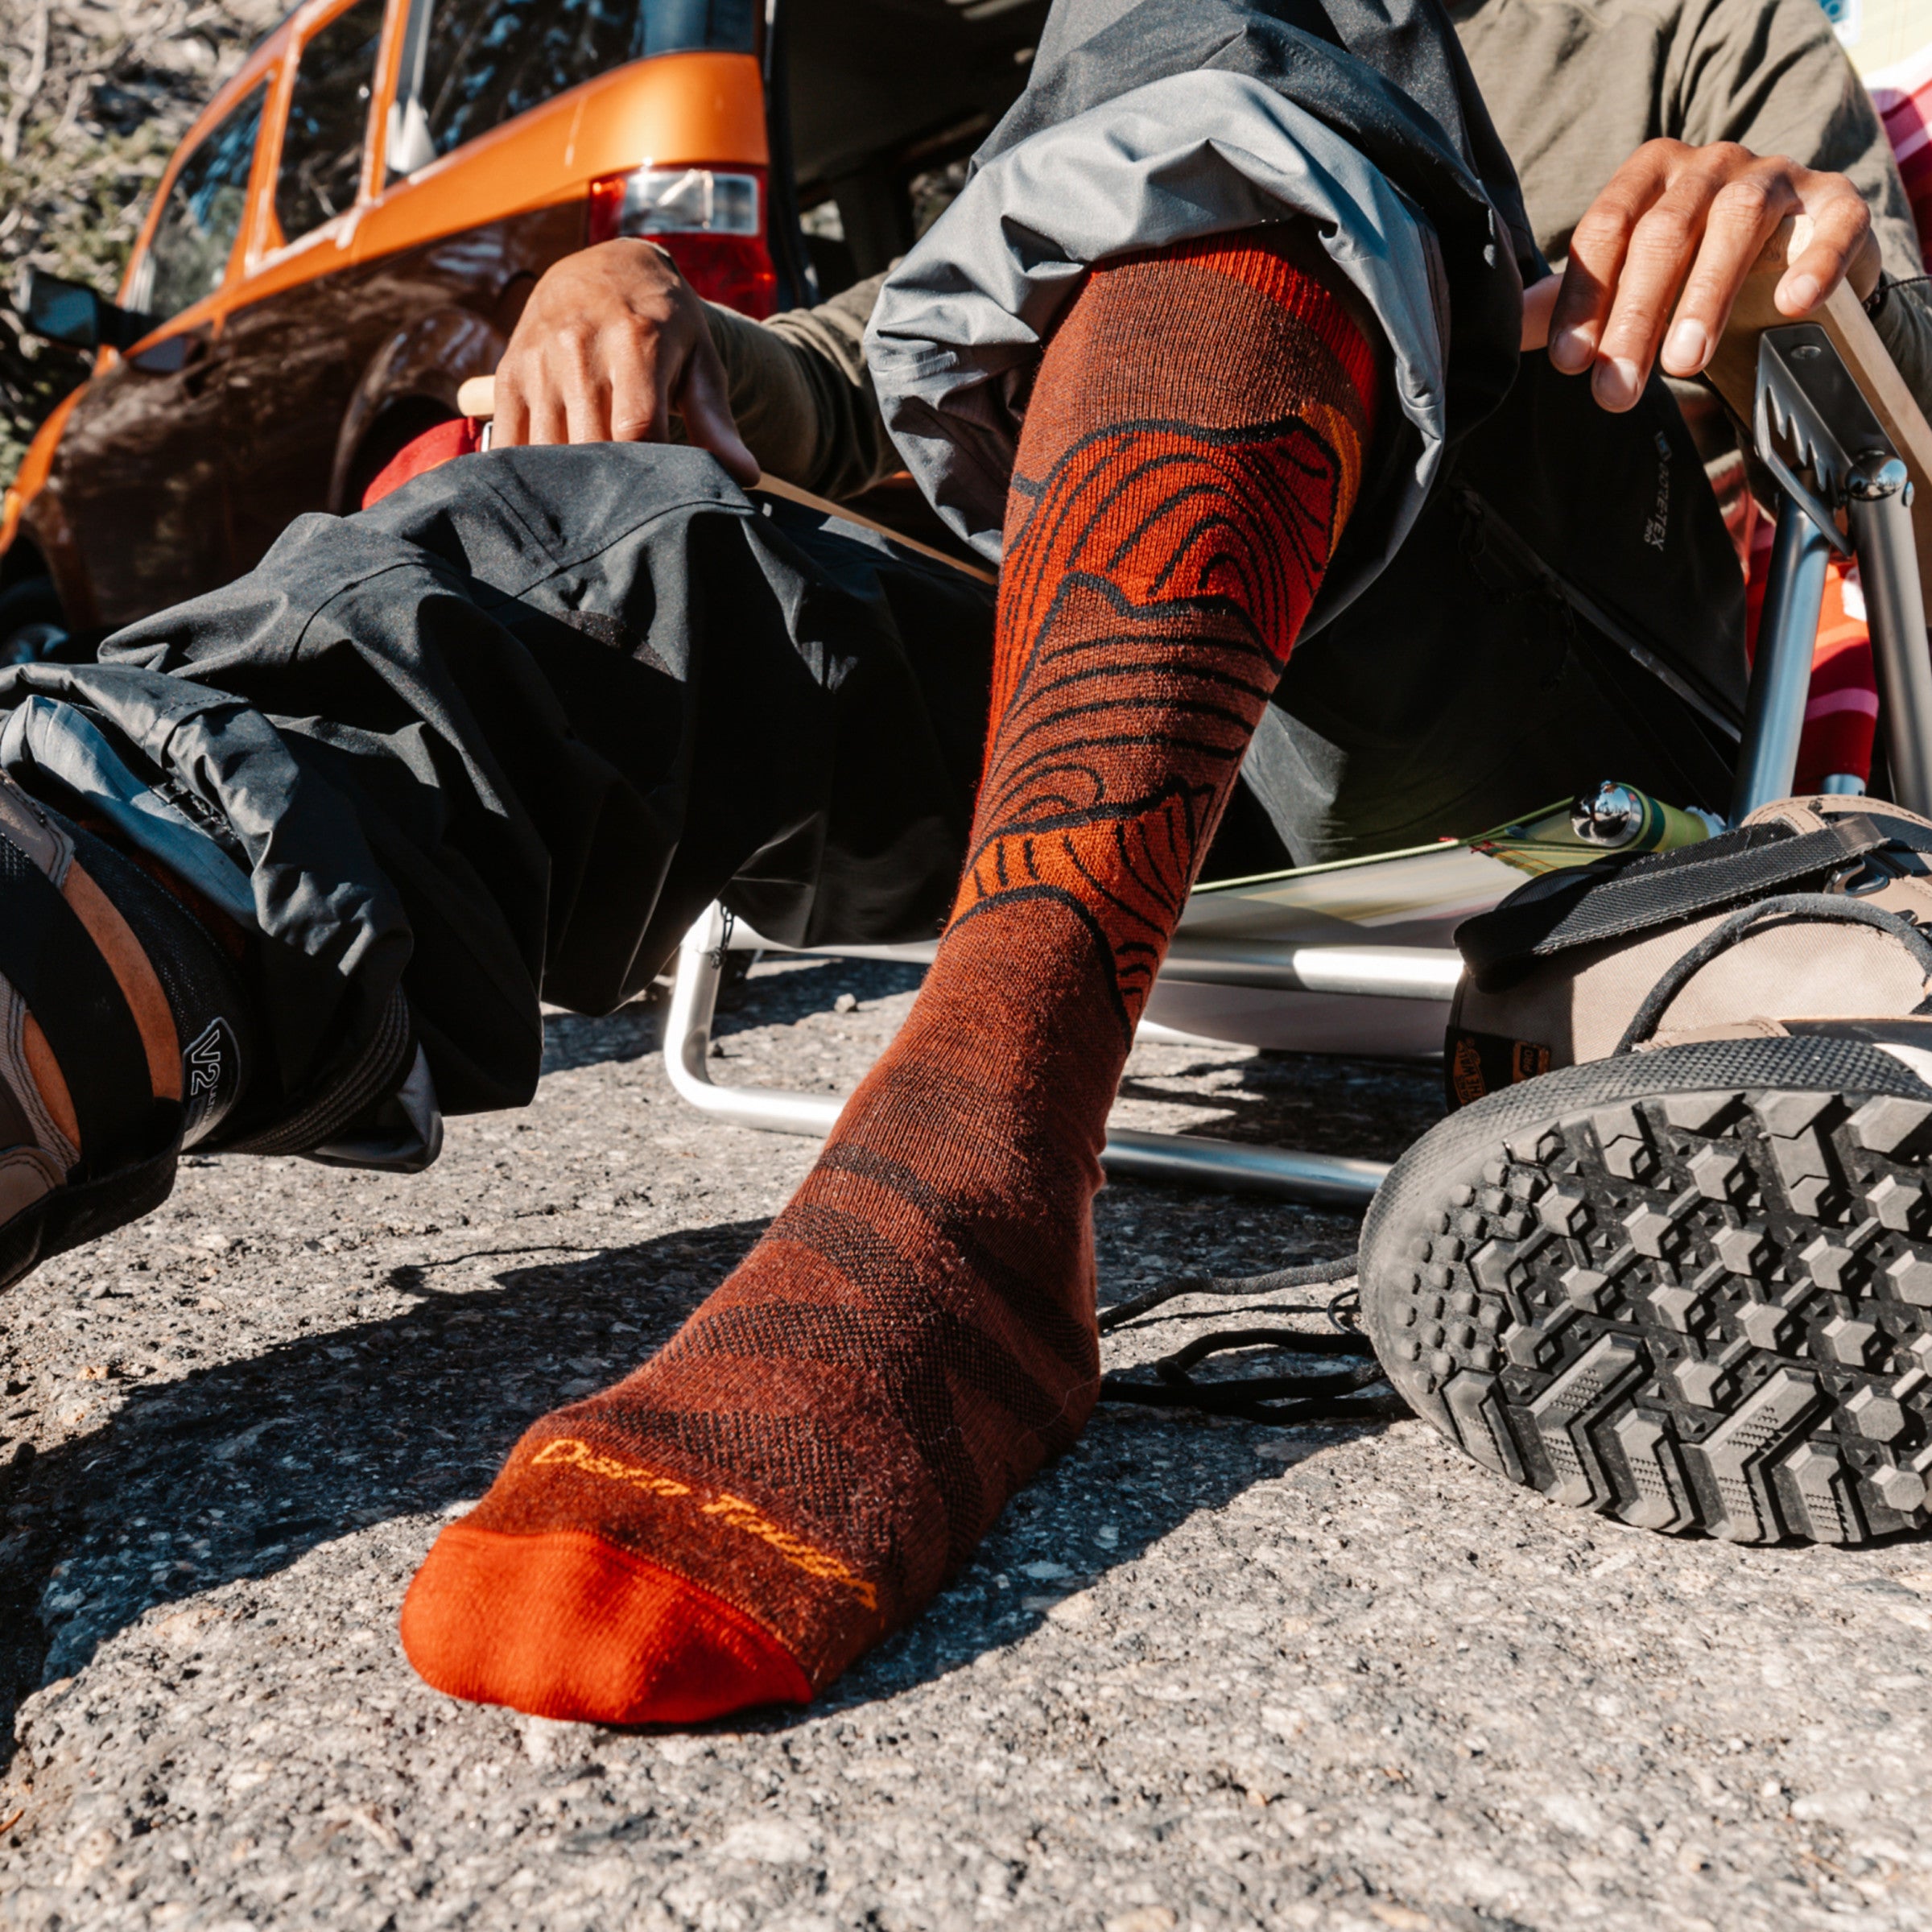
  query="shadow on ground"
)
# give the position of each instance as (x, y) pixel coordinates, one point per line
(575, 1039)
(806, 986)
(1373, 1109)
(238, 1471)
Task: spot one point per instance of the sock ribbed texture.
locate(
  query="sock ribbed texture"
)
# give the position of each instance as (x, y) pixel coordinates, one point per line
(835, 1429)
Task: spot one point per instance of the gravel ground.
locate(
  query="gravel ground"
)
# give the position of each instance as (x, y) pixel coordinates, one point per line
(1202, 1675)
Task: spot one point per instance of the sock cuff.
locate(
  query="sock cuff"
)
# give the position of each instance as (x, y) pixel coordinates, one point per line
(1258, 258)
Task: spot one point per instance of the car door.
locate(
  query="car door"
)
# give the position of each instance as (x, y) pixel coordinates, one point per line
(140, 477)
(300, 327)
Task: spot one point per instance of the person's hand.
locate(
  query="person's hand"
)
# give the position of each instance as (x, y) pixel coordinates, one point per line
(613, 342)
(1667, 245)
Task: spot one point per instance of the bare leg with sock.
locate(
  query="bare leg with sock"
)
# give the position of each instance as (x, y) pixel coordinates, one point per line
(833, 1432)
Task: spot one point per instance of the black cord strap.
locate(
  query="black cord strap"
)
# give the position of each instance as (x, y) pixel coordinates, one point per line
(1828, 907)
(1279, 1399)
(1312, 1274)
(1262, 1398)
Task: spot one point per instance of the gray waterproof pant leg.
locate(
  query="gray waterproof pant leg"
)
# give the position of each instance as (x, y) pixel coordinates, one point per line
(501, 738)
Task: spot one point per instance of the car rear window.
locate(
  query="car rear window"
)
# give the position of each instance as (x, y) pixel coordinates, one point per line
(195, 234)
(328, 119)
(486, 60)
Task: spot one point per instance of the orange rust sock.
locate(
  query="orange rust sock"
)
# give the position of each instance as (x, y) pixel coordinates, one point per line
(830, 1435)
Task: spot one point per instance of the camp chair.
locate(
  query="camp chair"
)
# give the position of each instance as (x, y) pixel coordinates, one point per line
(1357, 959)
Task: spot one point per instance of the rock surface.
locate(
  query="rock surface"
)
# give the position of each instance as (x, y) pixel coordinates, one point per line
(1202, 1675)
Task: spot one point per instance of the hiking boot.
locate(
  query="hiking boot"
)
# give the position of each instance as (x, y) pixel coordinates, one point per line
(121, 1033)
(1690, 1289)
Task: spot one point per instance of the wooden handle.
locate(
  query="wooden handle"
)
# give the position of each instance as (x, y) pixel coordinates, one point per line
(1734, 370)
(478, 399)
(774, 486)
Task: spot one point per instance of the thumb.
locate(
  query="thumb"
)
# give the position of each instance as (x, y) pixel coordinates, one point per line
(1539, 302)
(703, 403)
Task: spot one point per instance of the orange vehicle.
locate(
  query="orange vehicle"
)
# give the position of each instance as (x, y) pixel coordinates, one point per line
(351, 230)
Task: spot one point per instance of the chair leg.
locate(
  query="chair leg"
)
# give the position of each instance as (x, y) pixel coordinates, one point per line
(694, 998)
(1879, 505)
(1780, 674)
(1326, 1179)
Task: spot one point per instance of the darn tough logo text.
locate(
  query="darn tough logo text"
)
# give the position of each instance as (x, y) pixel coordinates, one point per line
(732, 1511)
(581, 1455)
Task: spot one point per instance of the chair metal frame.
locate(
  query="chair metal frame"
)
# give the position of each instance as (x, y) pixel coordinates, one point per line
(1820, 438)
(1408, 972)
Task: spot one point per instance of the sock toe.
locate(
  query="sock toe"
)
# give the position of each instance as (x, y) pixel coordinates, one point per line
(563, 1626)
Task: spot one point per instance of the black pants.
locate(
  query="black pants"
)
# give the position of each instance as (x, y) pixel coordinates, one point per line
(502, 737)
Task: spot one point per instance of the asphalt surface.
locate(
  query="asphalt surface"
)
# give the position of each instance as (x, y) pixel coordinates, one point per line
(1204, 1674)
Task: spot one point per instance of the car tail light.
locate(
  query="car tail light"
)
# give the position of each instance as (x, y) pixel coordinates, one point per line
(711, 221)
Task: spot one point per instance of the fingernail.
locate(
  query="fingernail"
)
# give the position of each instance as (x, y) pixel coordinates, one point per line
(1686, 350)
(1615, 385)
(1570, 350)
(1800, 292)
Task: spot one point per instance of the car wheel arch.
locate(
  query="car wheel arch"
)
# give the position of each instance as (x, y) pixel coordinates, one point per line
(34, 623)
(43, 546)
(22, 558)
(412, 378)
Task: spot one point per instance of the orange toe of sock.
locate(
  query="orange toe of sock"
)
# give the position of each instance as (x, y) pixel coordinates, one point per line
(562, 1625)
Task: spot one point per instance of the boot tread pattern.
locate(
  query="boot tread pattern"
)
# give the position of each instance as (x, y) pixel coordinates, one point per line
(1704, 1311)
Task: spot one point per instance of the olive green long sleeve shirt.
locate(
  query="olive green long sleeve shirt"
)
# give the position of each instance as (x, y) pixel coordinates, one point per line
(1575, 88)
(802, 395)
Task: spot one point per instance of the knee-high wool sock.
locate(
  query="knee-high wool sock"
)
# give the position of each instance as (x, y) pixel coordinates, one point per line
(834, 1430)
